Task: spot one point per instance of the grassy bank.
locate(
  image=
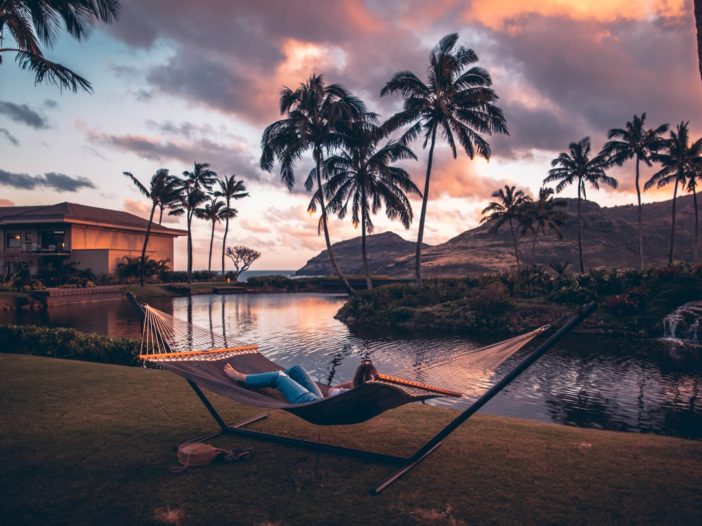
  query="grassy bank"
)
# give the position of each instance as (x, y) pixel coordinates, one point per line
(93, 444)
(631, 302)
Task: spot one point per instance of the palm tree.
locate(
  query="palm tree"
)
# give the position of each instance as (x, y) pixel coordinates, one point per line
(634, 141)
(313, 112)
(455, 100)
(508, 209)
(193, 188)
(692, 179)
(212, 212)
(361, 174)
(35, 22)
(698, 25)
(544, 214)
(163, 191)
(679, 160)
(229, 188)
(577, 167)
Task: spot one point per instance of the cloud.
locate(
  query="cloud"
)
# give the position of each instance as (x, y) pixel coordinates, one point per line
(56, 181)
(142, 208)
(459, 178)
(23, 114)
(6, 202)
(11, 138)
(256, 228)
(51, 103)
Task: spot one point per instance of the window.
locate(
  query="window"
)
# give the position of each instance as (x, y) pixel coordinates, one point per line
(14, 240)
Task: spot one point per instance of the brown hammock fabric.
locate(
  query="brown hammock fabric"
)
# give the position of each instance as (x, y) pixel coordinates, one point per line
(199, 355)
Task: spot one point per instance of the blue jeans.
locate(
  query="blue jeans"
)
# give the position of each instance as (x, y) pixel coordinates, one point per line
(295, 383)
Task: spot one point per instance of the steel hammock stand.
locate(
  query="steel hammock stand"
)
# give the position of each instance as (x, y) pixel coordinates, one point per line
(199, 355)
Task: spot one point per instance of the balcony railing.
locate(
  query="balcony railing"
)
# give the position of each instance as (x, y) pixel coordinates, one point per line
(38, 248)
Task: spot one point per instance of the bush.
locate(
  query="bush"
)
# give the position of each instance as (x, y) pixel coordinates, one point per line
(68, 343)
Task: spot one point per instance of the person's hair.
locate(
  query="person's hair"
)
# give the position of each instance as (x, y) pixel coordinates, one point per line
(365, 372)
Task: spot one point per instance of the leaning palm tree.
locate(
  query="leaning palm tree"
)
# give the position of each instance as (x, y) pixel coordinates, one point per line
(361, 174)
(543, 215)
(313, 112)
(163, 191)
(507, 209)
(634, 141)
(679, 160)
(230, 189)
(194, 187)
(578, 167)
(212, 212)
(32, 23)
(455, 101)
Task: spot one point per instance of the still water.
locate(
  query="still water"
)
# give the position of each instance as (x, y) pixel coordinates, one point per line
(585, 381)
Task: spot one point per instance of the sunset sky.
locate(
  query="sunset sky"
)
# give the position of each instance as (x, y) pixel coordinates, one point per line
(178, 81)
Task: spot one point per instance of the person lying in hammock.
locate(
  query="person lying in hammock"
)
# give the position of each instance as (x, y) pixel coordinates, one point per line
(296, 384)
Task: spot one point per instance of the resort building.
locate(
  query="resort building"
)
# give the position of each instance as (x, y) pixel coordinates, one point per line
(93, 238)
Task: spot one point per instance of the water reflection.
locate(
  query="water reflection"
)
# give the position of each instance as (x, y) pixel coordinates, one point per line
(584, 381)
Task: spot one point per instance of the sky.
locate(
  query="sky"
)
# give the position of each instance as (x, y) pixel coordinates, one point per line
(177, 81)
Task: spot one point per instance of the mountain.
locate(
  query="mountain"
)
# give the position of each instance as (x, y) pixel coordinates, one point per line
(610, 239)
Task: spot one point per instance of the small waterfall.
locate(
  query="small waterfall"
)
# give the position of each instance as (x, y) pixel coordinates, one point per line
(684, 323)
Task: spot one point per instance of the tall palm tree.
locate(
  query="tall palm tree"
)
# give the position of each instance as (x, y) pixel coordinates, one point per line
(679, 160)
(361, 174)
(634, 141)
(212, 212)
(698, 25)
(313, 112)
(230, 189)
(454, 100)
(693, 177)
(32, 23)
(162, 190)
(194, 187)
(578, 167)
(544, 214)
(507, 209)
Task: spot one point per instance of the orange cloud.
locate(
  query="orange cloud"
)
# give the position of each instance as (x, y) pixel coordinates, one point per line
(6, 202)
(458, 178)
(495, 14)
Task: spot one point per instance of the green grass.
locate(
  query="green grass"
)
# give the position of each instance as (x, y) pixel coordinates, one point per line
(85, 443)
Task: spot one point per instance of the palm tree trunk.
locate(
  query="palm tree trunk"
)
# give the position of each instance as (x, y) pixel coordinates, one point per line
(580, 235)
(672, 224)
(332, 258)
(190, 248)
(369, 283)
(697, 229)
(224, 239)
(698, 23)
(143, 249)
(423, 214)
(638, 197)
(209, 261)
(160, 216)
(514, 242)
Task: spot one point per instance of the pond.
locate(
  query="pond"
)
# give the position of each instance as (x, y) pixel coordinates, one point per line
(587, 381)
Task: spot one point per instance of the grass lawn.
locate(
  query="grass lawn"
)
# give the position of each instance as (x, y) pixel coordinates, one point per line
(85, 443)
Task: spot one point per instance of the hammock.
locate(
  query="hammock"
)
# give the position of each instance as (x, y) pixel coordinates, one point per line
(200, 354)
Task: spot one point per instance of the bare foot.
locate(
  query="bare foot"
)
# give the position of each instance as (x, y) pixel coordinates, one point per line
(234, 374)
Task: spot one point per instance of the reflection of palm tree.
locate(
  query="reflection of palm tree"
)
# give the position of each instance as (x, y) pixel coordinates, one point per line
(212, 212)
(162, 190)
(455, 101)
(679, 160)
(362, 174)
(229, 188)
(313, 112)
(507, 209)
(224, 322)
(33, 21)
(634, 141)
(578, 167)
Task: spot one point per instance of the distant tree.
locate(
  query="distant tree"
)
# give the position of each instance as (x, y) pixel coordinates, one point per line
(577, 167)
(361, 173)
(313, 112)
(634, 141)
(456, 101)
(242, 257)
(212, 212)
(229, 188)
(131, 267)
(679, 160)
(508, 209)
(193, 192)
(35, 22)
(544, 214)
(559, 267)
(163, 191)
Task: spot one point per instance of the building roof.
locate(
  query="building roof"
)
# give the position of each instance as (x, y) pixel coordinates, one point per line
(80, 214)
